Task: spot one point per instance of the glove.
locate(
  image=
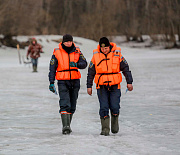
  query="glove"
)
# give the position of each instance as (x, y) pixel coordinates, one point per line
(73, 64)
(52, 88)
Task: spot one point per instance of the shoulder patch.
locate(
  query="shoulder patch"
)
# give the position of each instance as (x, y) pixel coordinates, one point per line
(52, 61)
(91, 64)
(124, 60)
(82, 56)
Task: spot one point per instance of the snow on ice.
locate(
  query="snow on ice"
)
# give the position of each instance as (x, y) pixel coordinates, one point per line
(149, 119)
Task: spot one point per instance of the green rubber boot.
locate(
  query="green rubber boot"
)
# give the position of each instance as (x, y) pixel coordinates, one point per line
(114, 123)
(105, 126)
(66, 124)
(35, 68)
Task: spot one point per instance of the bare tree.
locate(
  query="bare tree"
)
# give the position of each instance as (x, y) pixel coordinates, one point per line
(92, 18)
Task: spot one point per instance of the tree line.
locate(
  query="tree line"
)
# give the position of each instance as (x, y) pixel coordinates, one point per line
(92, 18)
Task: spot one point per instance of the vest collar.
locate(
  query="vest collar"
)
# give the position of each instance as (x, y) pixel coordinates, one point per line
(62, 47)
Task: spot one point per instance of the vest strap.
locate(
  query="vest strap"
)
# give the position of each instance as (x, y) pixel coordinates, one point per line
(68, 70)
(102, 61)
(101, 74)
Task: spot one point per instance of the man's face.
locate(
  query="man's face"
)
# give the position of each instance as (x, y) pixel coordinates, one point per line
(105, 50)
(68, 43)
(33, 42)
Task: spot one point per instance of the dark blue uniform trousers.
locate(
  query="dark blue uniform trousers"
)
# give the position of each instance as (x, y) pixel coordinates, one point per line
(109, 98)
(68, 93)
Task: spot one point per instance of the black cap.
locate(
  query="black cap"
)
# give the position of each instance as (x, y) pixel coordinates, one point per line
(67, 37)
(104, 42)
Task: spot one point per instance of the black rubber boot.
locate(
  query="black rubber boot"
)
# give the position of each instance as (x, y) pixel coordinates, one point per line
(66, 124)
(114, 123)
(105, 126)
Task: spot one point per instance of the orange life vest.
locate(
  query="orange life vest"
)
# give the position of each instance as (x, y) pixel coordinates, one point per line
(64, 71)
(107, 67)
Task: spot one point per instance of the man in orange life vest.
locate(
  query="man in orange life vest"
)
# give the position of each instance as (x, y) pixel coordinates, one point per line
(106, 65)
(64, 65)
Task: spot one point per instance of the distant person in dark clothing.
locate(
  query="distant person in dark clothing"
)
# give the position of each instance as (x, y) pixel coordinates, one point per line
(34, 51)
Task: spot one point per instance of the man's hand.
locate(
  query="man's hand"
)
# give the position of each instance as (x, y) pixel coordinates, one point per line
(130, 87)
(89, 91)
(72, 64)
(52, 88)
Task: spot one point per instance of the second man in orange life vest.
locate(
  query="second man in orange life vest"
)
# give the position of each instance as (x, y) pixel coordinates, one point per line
(64, 65)
(106, 65)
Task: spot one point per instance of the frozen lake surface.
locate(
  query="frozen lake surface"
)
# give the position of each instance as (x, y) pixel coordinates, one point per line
(149, 119)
